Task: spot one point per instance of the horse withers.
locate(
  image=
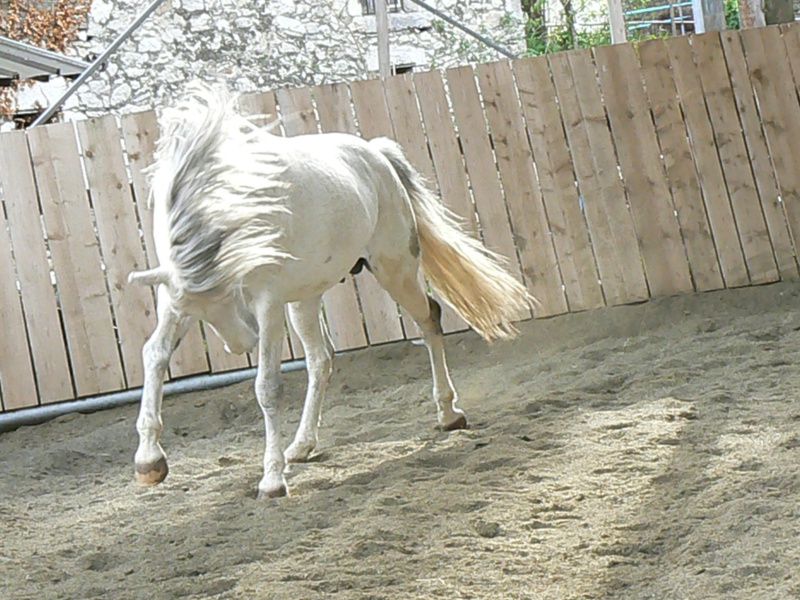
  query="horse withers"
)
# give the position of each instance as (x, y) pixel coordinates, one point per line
(245, 223)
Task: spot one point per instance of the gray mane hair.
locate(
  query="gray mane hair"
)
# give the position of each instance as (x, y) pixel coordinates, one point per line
(217, 178)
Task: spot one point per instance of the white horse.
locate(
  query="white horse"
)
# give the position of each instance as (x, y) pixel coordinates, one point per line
(246, 222)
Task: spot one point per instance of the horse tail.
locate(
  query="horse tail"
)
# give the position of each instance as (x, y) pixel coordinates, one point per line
(468, 276)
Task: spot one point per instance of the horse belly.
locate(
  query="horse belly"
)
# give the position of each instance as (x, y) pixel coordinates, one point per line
(316, 267)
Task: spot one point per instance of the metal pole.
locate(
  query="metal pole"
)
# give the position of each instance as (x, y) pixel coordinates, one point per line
(683, 21)
(40, 414)
(96, 64)
(465, 29)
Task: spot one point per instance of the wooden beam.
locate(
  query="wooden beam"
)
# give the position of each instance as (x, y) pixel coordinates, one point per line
(709, 15)
(751, 14)
(778, 11)
(382, 27)
(617, 22)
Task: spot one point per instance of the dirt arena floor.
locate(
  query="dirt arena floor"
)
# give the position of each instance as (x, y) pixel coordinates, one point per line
(650, 451)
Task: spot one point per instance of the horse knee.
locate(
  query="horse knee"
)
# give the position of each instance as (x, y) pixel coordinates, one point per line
(320, 366)
(156, 355)
(268, 393)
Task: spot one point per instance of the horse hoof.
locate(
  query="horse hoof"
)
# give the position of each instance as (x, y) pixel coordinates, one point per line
(152, 474)
(297, 458)
(278, 492)
(297, 454)
(459, 423)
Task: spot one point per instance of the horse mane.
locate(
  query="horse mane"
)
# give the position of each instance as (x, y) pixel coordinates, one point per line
(217, 178)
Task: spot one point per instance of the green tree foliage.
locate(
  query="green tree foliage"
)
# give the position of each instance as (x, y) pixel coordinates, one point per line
(566, 35)
(560, 38)
(731, 14)
(570, 34)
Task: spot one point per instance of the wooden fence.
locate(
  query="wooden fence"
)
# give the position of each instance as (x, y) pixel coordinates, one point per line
(607, 177)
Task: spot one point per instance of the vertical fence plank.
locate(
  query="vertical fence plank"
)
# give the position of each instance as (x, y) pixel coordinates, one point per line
(17, 380)
(371, 109)
(610, 224)
(261, 109)
(381, 317)
(523, 198)
(557, 178)
(120, 245)
(372, 112)
(791, 38)
(473, 137)
(788, 177)
(408, 131)
(718, 93)
(33, 270)
(341, 302)
(335, 109)
(664, 256)
(680, 168)
(140, 132)
(709, 170)
(401, 100)
(443, 145)
(85, 304)
(767, 72)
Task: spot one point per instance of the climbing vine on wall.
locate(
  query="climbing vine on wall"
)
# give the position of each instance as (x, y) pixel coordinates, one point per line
(52, 25)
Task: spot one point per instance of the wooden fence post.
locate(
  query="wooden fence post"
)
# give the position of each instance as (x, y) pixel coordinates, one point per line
(617, 22)
(751, 14)
(709, 15)
(382, 27)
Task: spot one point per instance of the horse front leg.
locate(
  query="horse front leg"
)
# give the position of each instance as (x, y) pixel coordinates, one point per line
(308, 324)
(150, 460)
(268, 393)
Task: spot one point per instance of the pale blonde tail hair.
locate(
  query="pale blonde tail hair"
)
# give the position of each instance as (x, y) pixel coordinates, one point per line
(468, 276)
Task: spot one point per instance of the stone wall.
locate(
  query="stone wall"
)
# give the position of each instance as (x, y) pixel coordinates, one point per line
(254, 45)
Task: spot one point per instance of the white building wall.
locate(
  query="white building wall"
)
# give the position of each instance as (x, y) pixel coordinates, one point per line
(254, 45)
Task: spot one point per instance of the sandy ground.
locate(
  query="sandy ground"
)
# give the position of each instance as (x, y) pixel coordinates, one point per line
(649, 451)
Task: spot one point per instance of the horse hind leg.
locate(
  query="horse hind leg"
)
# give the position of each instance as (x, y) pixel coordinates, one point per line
(400, 276)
